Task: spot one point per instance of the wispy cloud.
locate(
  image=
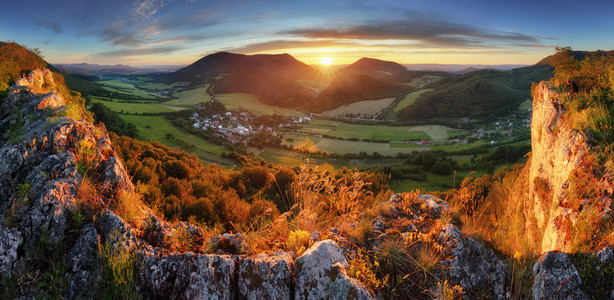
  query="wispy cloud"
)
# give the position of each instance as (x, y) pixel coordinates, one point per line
(430, 30)
(55, 27)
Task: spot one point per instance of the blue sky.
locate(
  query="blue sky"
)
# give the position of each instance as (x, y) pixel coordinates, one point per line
(157, 32)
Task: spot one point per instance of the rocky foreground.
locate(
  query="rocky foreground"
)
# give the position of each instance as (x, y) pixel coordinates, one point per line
(46, 158)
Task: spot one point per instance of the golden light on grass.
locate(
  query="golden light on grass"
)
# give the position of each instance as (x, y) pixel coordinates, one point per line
(326, 61)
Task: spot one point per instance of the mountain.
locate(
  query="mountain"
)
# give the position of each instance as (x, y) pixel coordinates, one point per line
(101, 70)
(459, 67)
(345, 89)
(373, 67)
(269, 88)
(479, 94)
(210, 66)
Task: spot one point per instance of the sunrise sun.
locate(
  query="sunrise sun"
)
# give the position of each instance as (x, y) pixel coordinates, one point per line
(326, 61)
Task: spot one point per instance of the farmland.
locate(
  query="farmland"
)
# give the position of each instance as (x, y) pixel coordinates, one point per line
(253, 105)
(366, 107)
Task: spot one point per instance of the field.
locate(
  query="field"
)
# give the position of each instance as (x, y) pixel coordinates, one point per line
(253, 105)
(368, 132)
(299, 141)
(162, 130)
(341, 146)
(366, 107)
(190, 97)
(118, 86)
(435, 132)
(409, 99)
(132, 108)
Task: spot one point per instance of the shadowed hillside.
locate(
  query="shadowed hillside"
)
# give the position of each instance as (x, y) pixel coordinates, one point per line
(484, 93)
(347, 89)
(270, 89)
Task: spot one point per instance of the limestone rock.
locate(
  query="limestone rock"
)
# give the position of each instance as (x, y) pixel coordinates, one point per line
(52, 100)
(82, 264)
(556, 278)
(266, 276)
(472, 266)
(10, 241)
(188, 276)
(320, 274)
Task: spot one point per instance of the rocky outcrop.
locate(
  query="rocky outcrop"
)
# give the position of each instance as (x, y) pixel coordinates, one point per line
(472, 266)
(188, 276)
(556, 278)
(266, 276)
(558, 152)
(10, 241)
(320, 274)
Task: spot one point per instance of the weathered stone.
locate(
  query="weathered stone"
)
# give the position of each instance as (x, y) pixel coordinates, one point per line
(52, 100)
(266, 276)
(188, 276)
(83, 265)
(378, 224)
(472, 266)
(320, 274)
(556, 278)
(10, 241)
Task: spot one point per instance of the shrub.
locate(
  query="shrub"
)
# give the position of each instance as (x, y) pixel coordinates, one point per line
(118, 272)
(298, 241)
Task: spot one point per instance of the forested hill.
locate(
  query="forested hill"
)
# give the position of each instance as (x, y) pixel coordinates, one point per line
(482, 93)
(225, 63)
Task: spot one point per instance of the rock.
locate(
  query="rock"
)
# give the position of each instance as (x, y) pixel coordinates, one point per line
(52, 100)
(378, 224)
(556, 278)
(315, 236)
(434, 203)
(320, 274)
(473, 267)
(266, 276)
(229, 243)
(605, 255)
(188, 276)
(83, 264)
(10, 241)
(115, 178)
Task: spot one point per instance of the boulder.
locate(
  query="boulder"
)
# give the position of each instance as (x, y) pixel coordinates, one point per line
(229, 243)
(188, 276)
(320, 274)
(266, 276)
(472, 266)
(556, 278)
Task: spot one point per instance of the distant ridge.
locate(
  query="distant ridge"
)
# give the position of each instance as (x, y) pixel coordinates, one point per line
(373, 67)
(98, 70)
(577, 55)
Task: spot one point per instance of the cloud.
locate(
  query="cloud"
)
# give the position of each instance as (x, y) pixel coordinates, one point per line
(131, 52)
(55, 27)
(145, 9)
(288, 44)
(431, 30)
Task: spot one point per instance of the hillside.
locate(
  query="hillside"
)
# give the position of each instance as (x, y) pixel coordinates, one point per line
(373, 67)
(408, 76)
(269, 88)
(208, 67)
(479, 94)
(15, 61)
(345, 89)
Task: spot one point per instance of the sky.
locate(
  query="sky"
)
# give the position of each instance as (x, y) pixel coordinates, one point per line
(179, 32)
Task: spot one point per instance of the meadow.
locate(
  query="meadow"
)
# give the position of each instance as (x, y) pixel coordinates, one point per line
(253, 105)
(364, 132)
(409, 99)
(341, 146)
(366, 107)
(191, 97)
(133, 107)
(123, 87)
